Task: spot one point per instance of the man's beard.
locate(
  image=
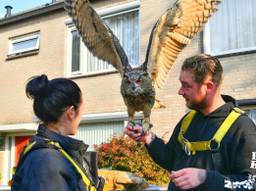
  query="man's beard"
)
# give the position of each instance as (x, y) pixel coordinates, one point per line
(197, 106)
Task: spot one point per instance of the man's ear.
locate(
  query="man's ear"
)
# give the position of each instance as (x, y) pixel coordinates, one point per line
(71, 113)
(210, 85)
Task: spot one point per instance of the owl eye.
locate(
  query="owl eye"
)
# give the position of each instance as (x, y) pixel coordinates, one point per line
(138, 81)
(128, 81)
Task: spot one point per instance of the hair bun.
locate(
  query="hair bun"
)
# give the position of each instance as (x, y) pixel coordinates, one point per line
(36, 86)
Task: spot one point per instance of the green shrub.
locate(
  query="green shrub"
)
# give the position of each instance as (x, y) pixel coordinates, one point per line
(122, 153)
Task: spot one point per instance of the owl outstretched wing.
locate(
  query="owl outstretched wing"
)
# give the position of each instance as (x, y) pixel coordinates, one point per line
(97, 36)
(173, 31)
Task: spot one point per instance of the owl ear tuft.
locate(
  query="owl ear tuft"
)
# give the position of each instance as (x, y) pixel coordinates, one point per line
(127, 68)
(144, 73)
(125, 75)
(144, 66)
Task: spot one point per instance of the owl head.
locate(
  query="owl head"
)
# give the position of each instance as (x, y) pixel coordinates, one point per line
(136, 82)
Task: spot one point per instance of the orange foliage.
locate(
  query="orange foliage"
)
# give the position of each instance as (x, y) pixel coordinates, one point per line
(122, 153)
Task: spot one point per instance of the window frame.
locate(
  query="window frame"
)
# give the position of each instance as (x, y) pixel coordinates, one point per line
(104, 14)
(72, 28)
(247, 105)
(207, 44)
(24, 38)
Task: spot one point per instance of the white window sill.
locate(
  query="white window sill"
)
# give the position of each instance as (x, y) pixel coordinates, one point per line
(17, 128)
(233, 52)
(73, 76)
(5, 188)
(104, 117)
(22, 54)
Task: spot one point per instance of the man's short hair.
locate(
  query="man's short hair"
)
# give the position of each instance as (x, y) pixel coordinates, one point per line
(203, 65)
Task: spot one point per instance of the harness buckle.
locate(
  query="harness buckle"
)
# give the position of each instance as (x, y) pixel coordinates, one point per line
(214, 145)
(186, 146)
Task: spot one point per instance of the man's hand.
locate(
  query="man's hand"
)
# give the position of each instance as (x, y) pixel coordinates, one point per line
(188, 178)
(136, 133)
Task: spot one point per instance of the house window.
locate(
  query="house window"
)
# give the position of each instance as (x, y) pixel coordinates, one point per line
(125, 25)
(252, 114)
(249, 106)
(96, 129)
(75, 62)
(99, 132)
(232, 29)
(24, 43)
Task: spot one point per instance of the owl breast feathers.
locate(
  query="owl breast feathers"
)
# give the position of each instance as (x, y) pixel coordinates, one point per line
(171, 33)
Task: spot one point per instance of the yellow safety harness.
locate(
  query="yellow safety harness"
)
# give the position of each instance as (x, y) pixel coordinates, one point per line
(214, 143)
(85, 179)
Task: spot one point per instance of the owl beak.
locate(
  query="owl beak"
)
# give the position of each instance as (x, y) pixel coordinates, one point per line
(133, 86)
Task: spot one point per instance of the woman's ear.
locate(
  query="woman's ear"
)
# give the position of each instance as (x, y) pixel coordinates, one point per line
(71, 113)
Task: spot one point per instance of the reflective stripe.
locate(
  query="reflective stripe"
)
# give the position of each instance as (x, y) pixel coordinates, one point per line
(28, 147)
(85, 179)
(185, 123)
(214, 143)
(225, 126)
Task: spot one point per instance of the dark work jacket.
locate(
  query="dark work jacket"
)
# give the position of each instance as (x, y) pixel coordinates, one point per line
(46, 169)
(233, 164)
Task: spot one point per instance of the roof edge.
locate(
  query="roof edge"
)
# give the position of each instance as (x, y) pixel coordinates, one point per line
(32, 13)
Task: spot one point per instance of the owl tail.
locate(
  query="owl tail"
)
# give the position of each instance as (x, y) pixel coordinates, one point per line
(158, 104)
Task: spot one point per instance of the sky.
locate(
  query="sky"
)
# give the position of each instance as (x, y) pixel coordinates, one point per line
(20, 5)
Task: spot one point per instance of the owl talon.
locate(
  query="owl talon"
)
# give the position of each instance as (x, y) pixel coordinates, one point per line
(131, 123)
(146, 127)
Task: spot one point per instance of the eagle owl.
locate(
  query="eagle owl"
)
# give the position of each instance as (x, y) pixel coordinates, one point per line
(171, 33)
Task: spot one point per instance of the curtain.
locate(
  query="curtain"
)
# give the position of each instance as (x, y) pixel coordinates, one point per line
(75, 66)
(99, 132)
(233, 27)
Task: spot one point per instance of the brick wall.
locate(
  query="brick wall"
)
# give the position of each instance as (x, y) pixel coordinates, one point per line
(16, 108)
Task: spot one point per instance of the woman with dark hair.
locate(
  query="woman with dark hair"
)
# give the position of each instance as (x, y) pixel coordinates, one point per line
(52, 160)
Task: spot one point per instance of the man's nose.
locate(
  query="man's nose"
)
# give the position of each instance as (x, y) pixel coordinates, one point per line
(180, 92)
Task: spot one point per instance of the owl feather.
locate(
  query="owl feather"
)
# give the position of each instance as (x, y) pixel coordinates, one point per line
(171, 33)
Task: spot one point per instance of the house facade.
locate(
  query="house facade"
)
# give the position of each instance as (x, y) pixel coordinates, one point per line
(44, 41)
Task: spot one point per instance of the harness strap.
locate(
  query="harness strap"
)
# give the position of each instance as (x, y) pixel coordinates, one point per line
(28, 147)
(221, 132)
(85, 179)
(185, 123)
(212, 144)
